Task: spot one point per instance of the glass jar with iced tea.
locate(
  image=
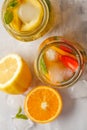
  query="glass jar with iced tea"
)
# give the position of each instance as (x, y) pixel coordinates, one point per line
(27, 20)
(59, 62)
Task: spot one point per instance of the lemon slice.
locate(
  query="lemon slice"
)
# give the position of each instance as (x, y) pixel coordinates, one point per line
(31, 14)
(15, 76)
(16, 22)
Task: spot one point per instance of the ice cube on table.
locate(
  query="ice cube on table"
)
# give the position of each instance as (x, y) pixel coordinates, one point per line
(20, 124)
(78, 90)
(51, 55)
(56, 72)
(15, 101)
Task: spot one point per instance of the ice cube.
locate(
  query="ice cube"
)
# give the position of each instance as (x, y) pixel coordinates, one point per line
(78, 90)
(51, 55)
(27, 12)
(6, 124)
(57, 72)
(47, 126)
(20, 124)
(68, 73)
(15, 101)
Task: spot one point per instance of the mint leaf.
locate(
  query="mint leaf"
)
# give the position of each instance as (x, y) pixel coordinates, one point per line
(13, 3)
(43, 66)
(19, 111)
(8, 17)
(21, 116)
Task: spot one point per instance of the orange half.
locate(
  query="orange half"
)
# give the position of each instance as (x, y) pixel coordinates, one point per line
(43, 104)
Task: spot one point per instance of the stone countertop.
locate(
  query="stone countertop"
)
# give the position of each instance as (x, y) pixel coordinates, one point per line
(71, 22)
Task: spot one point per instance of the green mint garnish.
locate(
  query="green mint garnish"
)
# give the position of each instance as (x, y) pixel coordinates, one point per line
(19, 115)
(8, 17)
(13, 3)
(20, 110)
(43, 66)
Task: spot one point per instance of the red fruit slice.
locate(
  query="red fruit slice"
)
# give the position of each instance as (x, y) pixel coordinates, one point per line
(64, 48)
(69, 62)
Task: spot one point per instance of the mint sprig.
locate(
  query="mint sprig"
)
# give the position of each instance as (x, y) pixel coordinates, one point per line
(19, 115)
(19, 111)
(13, 3)
(8, 16)
(43, 67)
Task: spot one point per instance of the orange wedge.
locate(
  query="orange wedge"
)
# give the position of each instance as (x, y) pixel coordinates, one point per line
(60, 51)
(15, 76)
(43, 104)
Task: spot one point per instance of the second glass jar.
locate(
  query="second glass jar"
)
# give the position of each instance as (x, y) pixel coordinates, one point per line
(59, 62)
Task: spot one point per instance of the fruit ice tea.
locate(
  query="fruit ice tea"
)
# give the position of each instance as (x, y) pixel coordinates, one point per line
(59, 63)
(27, 20)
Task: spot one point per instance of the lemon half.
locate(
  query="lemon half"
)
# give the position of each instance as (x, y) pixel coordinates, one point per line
(15, 75)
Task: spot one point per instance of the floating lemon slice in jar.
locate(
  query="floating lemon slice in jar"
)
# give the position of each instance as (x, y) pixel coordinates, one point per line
(28, 15)
(31, 14)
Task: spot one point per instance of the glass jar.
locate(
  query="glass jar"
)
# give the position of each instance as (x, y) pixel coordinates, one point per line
(27, 20)
(59, 62)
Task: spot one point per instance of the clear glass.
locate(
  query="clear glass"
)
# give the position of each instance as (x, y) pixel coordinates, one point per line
(74, 53)
(10, 8)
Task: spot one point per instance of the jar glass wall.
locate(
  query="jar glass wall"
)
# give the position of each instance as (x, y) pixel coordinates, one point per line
(59, 62)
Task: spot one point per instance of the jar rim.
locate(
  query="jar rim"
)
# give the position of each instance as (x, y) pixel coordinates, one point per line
(77, 74)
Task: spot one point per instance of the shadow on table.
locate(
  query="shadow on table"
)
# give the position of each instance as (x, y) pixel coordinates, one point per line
(73, 24)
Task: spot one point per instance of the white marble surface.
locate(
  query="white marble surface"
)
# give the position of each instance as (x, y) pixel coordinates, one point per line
(71, 23)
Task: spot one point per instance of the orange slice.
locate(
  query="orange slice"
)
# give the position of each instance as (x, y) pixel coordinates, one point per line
(15, 76)
(62, 52)
(43, 104)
